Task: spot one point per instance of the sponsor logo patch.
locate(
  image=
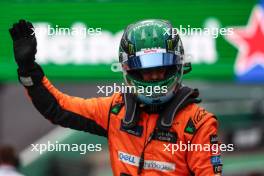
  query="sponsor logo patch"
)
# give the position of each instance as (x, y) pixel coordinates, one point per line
(150, 51)
(216, 160)
(213, 139)
(165, 136)
(199, 115)
(116, 109)
(136, 131)
(26, 81)
(148, 164)
(190, 128)
(218, 168)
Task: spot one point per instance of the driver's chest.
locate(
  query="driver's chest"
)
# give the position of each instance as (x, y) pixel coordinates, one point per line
(144, 149)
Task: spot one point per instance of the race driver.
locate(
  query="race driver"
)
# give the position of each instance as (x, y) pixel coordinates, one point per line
(142, 130)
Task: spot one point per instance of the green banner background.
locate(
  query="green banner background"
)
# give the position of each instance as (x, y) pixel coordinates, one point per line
(114, 16)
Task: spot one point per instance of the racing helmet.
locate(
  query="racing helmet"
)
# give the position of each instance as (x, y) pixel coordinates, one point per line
(151, 45)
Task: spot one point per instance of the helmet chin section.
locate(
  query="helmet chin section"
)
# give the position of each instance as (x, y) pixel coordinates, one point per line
(145, 91)
(155, 101)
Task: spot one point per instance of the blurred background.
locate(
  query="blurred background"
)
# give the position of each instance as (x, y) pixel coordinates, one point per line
(228, 70)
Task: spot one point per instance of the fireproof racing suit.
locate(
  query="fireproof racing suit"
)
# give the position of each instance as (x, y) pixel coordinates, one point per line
(142, 150)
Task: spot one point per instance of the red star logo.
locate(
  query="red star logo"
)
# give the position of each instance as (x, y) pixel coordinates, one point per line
(250, 42)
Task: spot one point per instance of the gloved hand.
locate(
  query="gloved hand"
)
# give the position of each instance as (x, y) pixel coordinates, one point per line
(24, 43)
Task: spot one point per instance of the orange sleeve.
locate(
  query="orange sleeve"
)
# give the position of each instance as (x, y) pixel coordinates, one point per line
(96, 109)
(89, 115)
(205, 161)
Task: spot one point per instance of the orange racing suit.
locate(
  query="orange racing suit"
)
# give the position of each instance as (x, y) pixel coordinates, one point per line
(103, 116)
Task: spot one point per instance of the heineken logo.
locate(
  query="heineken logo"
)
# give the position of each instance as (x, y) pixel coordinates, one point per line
(75, 49)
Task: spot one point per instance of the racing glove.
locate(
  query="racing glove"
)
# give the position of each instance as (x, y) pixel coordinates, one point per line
(24, 43)
(25, 49)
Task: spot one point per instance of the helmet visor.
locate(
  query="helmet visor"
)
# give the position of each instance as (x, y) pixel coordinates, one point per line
(152, 61)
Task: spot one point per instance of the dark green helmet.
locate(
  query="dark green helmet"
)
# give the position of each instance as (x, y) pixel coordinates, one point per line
(147, 45)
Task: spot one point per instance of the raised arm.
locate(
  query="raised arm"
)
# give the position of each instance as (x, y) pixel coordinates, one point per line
(90, 115)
